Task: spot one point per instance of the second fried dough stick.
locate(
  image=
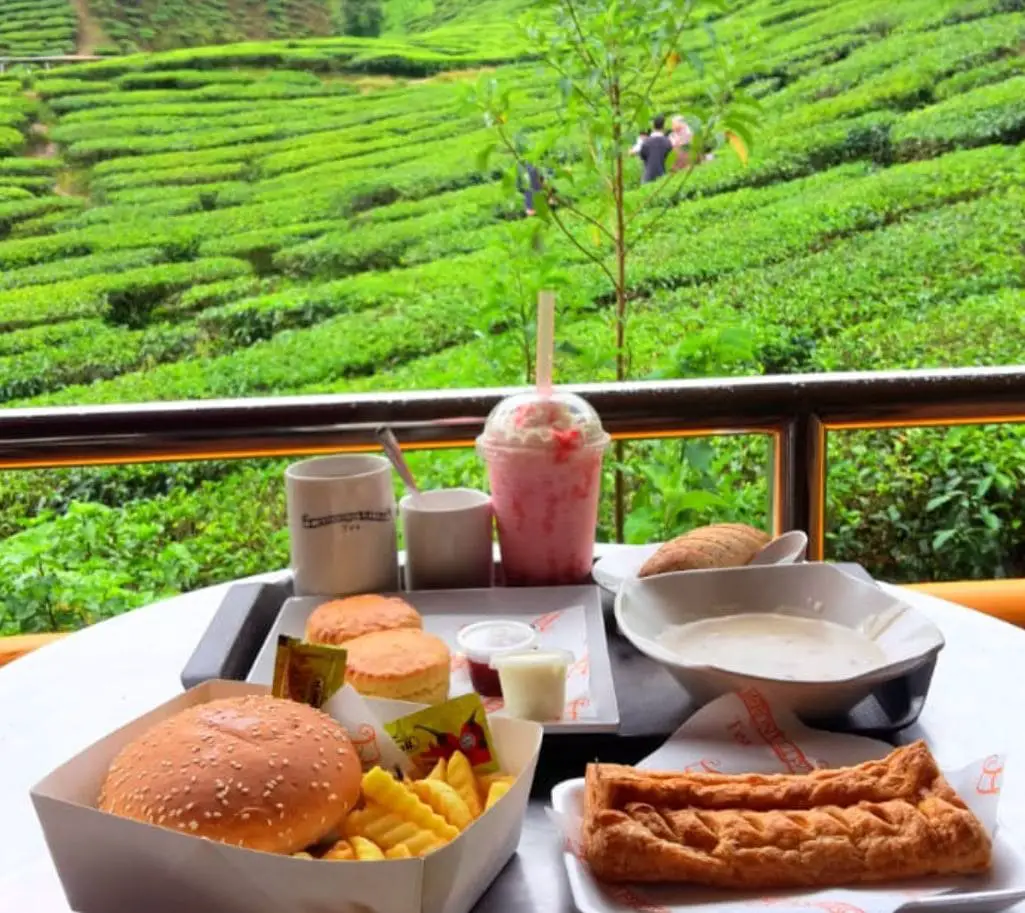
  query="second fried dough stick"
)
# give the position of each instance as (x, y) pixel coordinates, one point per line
(889, 819)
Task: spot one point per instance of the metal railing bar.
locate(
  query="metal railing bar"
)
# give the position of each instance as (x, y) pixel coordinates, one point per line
(291, 425)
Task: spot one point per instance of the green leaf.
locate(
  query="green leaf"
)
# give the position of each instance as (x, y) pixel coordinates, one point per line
(484, 156)
(942, 538)
(698, 500)
(940, 500)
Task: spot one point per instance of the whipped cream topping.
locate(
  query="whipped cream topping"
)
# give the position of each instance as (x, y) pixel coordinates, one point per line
(561, 421)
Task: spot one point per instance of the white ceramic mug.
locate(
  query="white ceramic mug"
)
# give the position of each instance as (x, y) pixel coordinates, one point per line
(448, 539)
(341, 519)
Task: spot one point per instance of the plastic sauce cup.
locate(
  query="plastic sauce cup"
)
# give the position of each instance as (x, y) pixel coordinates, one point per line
(484, 641)
(534, 683)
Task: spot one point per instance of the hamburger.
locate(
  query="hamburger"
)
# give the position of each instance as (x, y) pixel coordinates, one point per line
(341, 620)
(257, 772)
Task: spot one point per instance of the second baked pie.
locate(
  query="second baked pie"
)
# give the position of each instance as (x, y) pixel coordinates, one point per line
(882, 820)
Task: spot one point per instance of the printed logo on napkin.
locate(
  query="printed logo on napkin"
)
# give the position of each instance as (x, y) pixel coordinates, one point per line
(565, 629)
(436, 733)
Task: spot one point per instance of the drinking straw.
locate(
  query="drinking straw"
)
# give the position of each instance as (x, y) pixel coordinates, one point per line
(545, 341)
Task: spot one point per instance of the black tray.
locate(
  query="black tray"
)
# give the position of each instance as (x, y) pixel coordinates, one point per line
(651, 703)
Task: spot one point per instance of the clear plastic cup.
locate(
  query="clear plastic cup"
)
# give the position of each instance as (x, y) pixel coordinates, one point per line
(483, 641)
(544, 458)
(534, 683)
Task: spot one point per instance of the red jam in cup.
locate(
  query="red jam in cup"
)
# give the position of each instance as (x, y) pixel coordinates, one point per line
(482, 641)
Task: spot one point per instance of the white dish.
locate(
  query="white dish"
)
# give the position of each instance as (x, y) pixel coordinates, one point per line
(623, 562)
(445, 612)
(646, 608)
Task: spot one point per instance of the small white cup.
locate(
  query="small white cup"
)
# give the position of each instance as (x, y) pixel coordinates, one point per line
(448, 539)
(341, 519)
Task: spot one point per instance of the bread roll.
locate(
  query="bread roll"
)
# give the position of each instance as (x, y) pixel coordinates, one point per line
(404, 665)
(257, 771)
(719, 545)
(341, 620)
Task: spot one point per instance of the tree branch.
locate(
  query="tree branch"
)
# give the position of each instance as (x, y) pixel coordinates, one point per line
(650, 224)
(593, 257)
(581, 40)
(565, 204)
(662, 65)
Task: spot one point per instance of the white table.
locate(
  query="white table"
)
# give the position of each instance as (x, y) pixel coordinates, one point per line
(58, 700)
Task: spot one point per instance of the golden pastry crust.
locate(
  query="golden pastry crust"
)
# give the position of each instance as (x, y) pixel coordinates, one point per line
(716, 546)
(882, 820)
(342, 620)
(406, 664)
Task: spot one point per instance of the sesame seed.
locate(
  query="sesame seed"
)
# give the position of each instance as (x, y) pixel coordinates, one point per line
(237, 765)
(266, 793)
(192, 779)
(272, 763)
(193, 825)
(280, 778)
(321, 749)
(332, 797)
(279, 805)
(190, 806)
(217, 814)
(161, 819)
(181, 824)
(224, 801)
(245, 790)
(206, 814)
(186, 789)
(284, 762)
(245, 816)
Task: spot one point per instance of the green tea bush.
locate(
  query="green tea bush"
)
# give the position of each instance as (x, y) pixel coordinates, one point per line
(78, 267)
(990, 114)
(124, 298)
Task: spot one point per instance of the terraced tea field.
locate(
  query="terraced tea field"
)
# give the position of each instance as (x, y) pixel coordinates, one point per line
(311, 216)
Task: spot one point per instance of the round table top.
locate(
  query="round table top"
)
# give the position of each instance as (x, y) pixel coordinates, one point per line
(62, 698)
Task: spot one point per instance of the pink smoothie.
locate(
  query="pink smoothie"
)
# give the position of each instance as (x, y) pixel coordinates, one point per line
(544, 459)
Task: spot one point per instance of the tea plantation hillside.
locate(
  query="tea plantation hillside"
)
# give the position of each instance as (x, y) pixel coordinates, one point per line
(282, 217)
(37, 28)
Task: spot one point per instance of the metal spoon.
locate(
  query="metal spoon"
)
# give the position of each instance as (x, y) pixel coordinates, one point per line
(393, 451)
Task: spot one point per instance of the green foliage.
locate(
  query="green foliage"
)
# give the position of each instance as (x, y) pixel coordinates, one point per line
(362, 18)
(226, 228)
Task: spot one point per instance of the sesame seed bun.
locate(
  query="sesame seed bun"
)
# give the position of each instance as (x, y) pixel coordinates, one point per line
(257, 771)
(404, 665)
(342, 620)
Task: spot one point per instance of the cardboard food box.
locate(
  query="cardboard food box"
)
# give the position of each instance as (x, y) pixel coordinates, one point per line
(109, 864)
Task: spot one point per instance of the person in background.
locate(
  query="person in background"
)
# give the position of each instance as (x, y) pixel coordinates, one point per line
(530, 182)
(681, 138)
(654, 151)
(635, 149)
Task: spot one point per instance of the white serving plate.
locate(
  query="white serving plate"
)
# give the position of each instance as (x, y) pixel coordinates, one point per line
(645, 607)
(446, 611)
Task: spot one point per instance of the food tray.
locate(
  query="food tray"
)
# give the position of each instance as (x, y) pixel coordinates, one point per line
(575, 610)
(651, 704)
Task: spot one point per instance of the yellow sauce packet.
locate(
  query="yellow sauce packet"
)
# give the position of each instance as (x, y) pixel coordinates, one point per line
(308, 673)
(437, 732)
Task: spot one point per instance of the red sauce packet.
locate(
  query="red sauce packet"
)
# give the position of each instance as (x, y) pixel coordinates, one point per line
(433, 733)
